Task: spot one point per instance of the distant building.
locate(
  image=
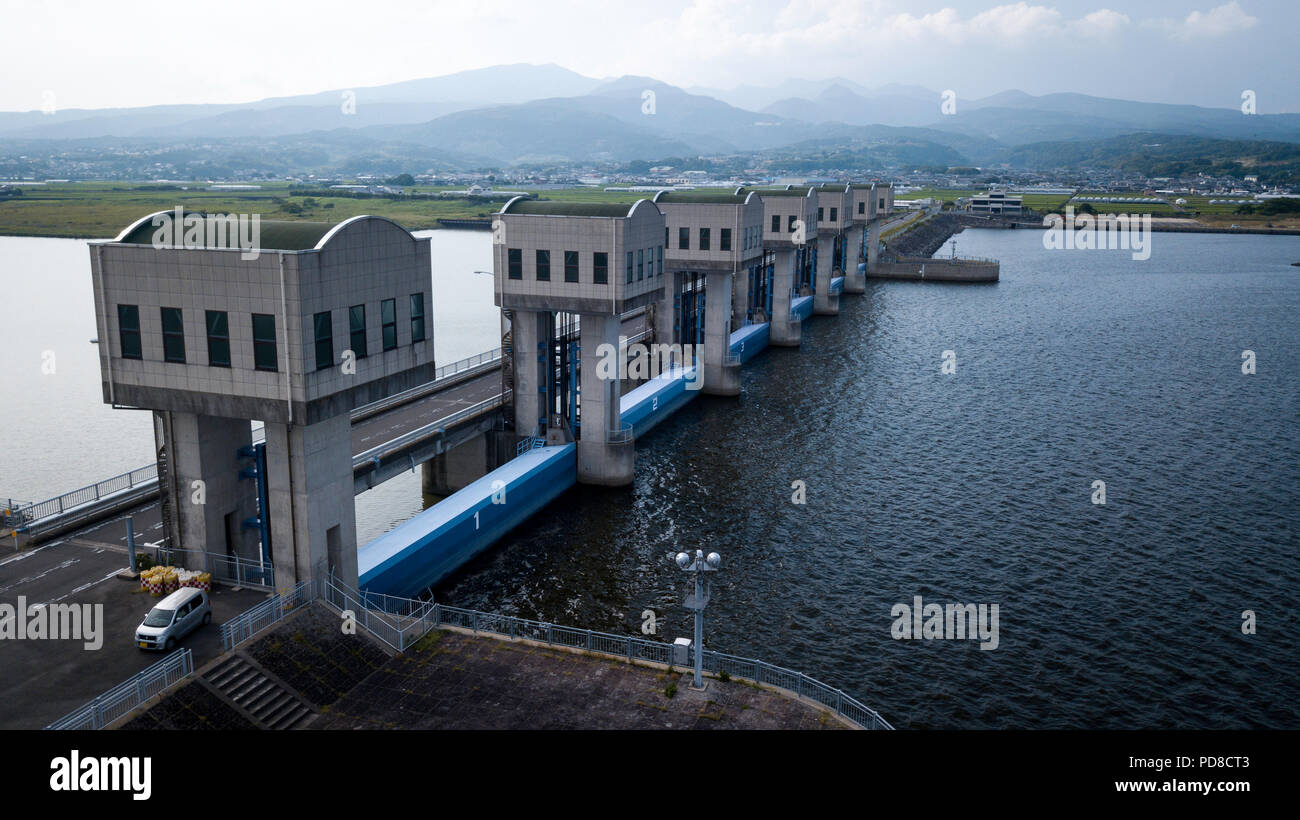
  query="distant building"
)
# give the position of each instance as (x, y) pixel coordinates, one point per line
(995, 202)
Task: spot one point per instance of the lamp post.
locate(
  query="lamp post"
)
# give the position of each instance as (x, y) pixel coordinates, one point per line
(699, 563)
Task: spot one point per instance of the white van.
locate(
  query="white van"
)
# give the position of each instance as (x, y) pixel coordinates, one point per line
(176, 616)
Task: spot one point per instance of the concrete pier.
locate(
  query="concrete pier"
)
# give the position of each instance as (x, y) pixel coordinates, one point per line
(207, 499)
(721, 369)
(606, 454)
(455, 469)
(309, 484)
(530, 329)
(855, 278)
(825, 302)
(787, 330)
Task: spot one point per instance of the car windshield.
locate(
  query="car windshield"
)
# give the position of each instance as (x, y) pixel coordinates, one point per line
(159, 617)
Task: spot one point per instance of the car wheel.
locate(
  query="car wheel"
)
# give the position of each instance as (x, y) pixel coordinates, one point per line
(207, 618)
(171, 644)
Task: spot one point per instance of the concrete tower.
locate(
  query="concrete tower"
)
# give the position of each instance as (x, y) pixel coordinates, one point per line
(295, 329)
(715, 236)
(559, 261)
(790, 234)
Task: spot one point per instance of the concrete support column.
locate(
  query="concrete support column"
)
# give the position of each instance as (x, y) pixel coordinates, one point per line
(208, 499)
(825, 303)
(721, 373)
(873, 245)
(528, 329)
(740, 297)
(786, 330)
(855, 278)
(309, 484)
(455, 469)
(606, 454)
(664, 314)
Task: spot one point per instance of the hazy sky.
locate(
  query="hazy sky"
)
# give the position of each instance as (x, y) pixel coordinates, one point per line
(102, 54)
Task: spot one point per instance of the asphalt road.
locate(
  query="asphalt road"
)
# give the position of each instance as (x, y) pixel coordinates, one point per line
(42, 680)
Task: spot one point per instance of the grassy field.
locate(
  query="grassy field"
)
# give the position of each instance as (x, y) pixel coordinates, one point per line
(100, 210)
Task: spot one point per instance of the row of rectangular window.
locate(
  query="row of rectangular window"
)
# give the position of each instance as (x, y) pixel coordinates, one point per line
(706, 239)
(835, 214)
(542, 265)
(644, 268)
(323, 329)
(218, 330)
(790, 222)
(265, 355)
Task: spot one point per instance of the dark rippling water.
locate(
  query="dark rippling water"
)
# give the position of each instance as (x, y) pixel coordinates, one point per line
(976, 488)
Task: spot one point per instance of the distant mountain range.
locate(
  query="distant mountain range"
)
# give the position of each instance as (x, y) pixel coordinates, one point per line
(522, 113)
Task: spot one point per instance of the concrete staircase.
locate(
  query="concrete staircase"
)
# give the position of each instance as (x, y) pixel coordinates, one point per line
(257, 694)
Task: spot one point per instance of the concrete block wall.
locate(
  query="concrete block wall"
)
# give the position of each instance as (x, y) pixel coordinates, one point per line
(642, 230)
(364, 263)
(799, 203)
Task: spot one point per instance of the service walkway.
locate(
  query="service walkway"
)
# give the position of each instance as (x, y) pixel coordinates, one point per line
(453, 679)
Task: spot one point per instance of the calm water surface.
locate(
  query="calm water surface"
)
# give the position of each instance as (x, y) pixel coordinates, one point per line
(976, 488)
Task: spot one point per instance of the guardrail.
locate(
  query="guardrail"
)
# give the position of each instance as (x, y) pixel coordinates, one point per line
(411, 620)
(60, 504)
(528, 443)
(416, 618)
(634, 648)
(482, 362)
(245, 626)
(129, 694)
(236, 570)
(466, 364)
(401, 622)
(393, 445)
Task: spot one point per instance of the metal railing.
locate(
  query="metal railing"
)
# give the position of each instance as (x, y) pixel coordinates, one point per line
(634, 648)
(402, 622)
(129, 694)
(467, 364)
(399, 622)
(416, 618)
(622, 435)
(138, 478)
(273, 609)
(529, 443)
(234, 569)
(481, 362)
(405, 439)
(941, 260)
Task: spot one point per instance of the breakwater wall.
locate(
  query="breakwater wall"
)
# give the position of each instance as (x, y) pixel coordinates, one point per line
(937, 270)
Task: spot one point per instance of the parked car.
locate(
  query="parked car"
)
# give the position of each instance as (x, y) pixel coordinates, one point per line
(176, 616)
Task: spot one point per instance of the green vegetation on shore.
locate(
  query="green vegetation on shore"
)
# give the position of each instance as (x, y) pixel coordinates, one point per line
(101, 210)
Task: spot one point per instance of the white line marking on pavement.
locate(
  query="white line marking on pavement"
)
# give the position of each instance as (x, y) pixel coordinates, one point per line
(87, 586)
(40, 575)
(13, 558)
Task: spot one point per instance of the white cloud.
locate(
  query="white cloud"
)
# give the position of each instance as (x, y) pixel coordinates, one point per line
(1007, 24)
(1218, 21)
(1101, 23)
